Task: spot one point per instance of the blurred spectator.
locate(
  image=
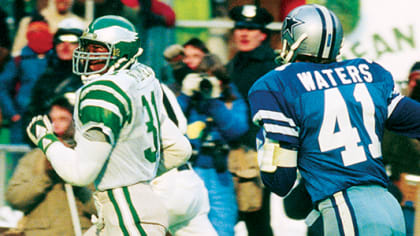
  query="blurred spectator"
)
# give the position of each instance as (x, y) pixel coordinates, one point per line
(181, 61)
(413, 80)
(395, 145)
(21, 73)
(38, 191)
(5, 42)
(58, 77)
(194, 51)
(175, 70)
(216, 114)
(5, 45)
(253, 59)
(101, 7)
(154, 21)
(54, 13)
(288, 5)
(402, 154)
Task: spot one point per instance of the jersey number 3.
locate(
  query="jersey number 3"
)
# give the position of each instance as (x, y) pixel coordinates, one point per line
(336, 115)
(151, 152)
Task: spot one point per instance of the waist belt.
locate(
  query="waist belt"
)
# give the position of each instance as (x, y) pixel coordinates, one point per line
(186, 166)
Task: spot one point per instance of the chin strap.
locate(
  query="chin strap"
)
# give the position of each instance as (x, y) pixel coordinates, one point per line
(87, 78)
(123, 59)
(287, 55)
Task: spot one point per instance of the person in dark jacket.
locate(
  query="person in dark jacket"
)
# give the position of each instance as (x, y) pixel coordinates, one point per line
(58, 77)
(19, 75)
(253, 59)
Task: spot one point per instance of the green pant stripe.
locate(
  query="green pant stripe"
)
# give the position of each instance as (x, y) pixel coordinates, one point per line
(118, 211)
(133, 211)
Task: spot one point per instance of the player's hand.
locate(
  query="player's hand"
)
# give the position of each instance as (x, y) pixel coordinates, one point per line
(40, 132)
(174, 52)
(191, 84)
(208, 86)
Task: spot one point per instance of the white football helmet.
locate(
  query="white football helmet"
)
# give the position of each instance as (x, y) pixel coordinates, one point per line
(312, 32)
(118, 35)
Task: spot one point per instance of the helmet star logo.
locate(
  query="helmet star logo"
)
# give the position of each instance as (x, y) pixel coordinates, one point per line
(289, 24)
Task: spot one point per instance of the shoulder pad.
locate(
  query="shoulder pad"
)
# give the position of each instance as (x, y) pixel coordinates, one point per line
(104, 102)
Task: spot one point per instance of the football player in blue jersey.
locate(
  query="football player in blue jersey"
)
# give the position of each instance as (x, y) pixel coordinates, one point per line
(326, 118)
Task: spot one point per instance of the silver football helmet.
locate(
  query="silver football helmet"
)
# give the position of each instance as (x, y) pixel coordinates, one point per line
(311, 31)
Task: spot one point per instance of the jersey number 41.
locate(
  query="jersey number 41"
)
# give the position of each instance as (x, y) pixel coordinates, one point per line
(336, 115)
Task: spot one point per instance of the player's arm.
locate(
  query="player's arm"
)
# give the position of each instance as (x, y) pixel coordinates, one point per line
(404, 117)
(176, 147)
(78, 166)
(278, 167)
(102, 111)
(277, 140)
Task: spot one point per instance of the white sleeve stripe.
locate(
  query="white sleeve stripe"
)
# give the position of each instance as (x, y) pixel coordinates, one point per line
(103, 104)
(273, 115)
(394, 104)
(109, 90)
(278, 129)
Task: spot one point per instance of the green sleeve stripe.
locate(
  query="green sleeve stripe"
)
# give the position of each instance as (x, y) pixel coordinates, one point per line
(101, 104)
(100, 115)
(108, 90)
(111, 87)
(109, 100)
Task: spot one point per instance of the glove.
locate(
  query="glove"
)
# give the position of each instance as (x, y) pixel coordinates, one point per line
(194, 82)
(191, 84)
(41, 133)
(173, 52)
(216, 89)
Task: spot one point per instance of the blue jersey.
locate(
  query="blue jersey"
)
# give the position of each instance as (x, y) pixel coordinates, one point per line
(333, 114)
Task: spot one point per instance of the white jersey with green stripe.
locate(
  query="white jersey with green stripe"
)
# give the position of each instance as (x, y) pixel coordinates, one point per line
(127, 107)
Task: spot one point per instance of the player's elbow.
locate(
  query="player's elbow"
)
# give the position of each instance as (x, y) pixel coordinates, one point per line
(81, 182)
(281, 181)
(81, 179)
(187, 149)
(177, 154)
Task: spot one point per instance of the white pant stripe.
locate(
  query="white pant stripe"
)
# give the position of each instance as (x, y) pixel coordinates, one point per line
(125, 212)
(344, 214)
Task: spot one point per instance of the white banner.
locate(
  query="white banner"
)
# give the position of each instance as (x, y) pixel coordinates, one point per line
(388, 32)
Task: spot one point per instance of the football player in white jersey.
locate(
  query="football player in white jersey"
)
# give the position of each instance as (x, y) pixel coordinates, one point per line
(118, 117)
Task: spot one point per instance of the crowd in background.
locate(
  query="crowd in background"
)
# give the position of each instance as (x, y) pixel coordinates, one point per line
(36, 78)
